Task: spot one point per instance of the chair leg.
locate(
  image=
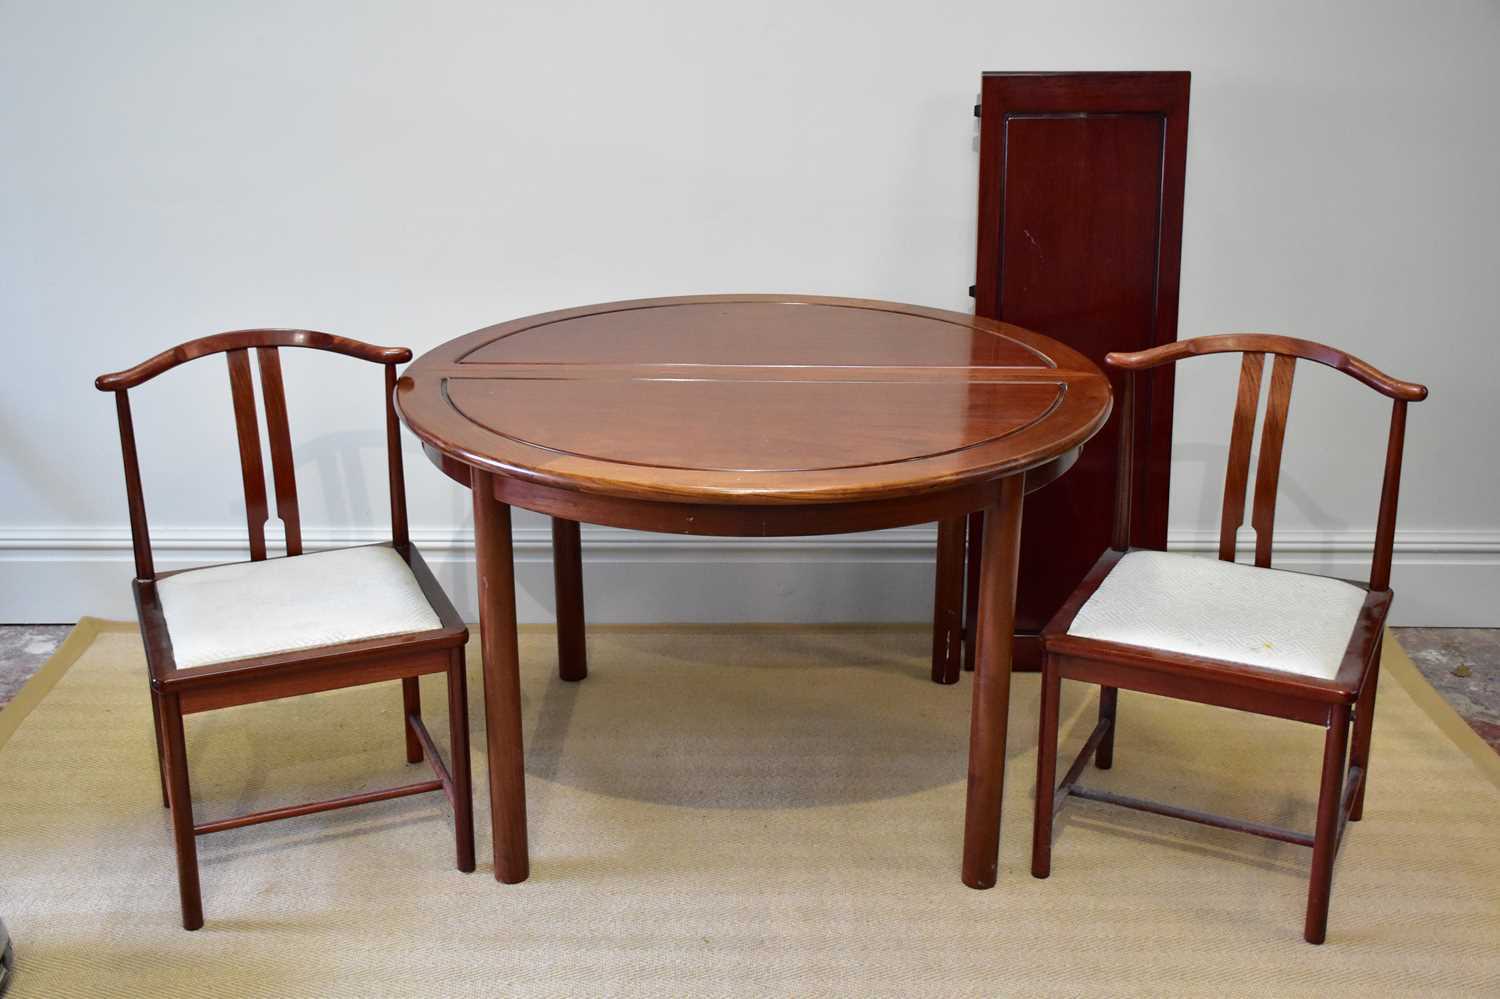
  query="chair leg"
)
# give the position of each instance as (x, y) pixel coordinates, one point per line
(411, 704)
(1046, 771)
(1104, 756)
(458, 765)
(1325, 838)
(1364, 722)
(161, 756)
(183, 837)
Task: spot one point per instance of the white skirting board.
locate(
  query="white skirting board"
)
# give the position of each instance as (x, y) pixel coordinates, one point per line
(56, 575)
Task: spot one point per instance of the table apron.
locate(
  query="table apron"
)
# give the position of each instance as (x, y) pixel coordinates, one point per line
(749, 520)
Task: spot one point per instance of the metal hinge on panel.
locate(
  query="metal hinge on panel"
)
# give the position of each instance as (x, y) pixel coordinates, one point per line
(976, 112)
(973, 291)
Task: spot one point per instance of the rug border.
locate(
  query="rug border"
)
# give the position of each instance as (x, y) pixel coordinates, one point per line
(44, 679)
(1399, 666)
(1442, 714)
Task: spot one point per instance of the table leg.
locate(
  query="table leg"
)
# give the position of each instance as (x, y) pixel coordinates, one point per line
(971, 585)
(502, 680)
(948, 602)
(997, 616)
(567, 578)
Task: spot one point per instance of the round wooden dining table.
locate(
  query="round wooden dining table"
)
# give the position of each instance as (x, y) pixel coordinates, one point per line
(747, 416)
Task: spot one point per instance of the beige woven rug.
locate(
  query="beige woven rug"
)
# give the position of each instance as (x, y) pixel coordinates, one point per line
(732, 812)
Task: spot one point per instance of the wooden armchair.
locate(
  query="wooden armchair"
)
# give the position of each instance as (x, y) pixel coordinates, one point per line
(269, 628)
(1279, 643)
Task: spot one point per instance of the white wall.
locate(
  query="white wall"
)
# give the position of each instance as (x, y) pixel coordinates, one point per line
(405, 172)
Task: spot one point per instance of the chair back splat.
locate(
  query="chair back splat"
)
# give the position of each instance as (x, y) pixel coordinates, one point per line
(236, 348)
(283, 471)
(1285, 352)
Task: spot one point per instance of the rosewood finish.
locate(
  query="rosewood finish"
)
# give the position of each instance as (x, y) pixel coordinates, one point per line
(176, 692)
(1336, 704)
(1080, 238)
(746, 415)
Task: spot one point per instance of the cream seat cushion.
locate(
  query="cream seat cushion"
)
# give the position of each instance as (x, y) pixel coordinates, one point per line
(229, 612)
(1285, 621)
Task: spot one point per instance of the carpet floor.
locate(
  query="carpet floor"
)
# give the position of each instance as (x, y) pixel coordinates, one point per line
(772, 811)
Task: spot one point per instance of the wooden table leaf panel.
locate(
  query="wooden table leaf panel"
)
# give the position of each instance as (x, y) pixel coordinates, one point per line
(749, 416)
(1081, 181)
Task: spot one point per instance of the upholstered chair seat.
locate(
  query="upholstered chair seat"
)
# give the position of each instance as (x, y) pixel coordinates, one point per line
(1285, 621)
(226, 612)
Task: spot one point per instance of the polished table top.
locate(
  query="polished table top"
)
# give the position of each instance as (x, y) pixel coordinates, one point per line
(754, 399)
